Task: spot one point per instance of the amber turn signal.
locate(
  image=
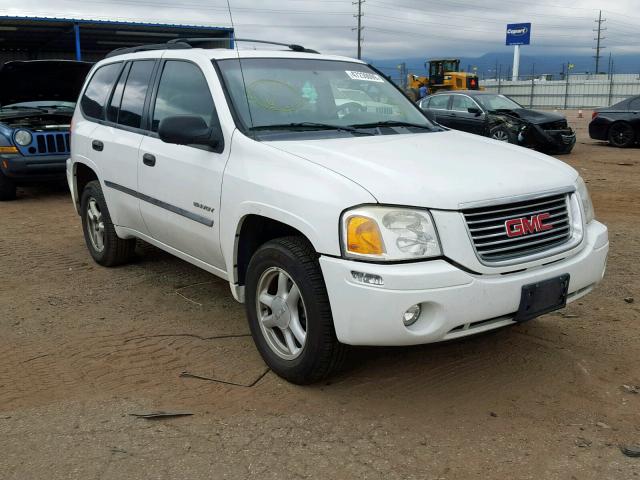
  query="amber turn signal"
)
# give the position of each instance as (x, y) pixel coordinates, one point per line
(364, 237)
(8, 150)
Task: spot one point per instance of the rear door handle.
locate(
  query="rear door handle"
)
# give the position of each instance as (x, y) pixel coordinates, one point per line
(149, 160)
(97, 145)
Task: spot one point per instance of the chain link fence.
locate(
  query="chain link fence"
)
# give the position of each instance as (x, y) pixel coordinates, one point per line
(573, 92)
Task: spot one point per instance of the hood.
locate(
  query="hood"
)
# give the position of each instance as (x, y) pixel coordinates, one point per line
(34, 80)
(437, 170)
(533, 116)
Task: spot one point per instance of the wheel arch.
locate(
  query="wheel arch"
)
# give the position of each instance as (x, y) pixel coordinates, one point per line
(253, 231)
(82, 175)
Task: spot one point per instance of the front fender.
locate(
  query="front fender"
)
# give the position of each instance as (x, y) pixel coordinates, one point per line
(265, 181)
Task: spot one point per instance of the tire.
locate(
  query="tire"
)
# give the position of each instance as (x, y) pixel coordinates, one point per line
(320, 354)
(112, 250)
(622, 135)
(7, 189)
(503, 134)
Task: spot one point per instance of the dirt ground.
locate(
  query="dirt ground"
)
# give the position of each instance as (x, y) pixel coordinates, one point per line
(83, 347)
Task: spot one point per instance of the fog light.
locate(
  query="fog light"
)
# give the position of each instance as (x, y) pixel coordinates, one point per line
(411, 315)
(367, 278)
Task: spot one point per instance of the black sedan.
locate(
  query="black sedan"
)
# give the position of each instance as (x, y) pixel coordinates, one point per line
(498, 117)
(619, 124)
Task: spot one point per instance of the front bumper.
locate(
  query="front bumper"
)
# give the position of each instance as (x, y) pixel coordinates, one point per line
(550, 141)
(35, 168)
(454, 303)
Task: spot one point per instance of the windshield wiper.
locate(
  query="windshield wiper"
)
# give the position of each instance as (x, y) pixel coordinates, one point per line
(310, 126)
(391, 123)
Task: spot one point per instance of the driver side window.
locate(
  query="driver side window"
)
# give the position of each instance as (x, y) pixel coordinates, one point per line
(183, 90)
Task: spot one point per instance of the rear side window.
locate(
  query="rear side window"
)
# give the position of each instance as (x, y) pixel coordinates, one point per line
(462, 104)
(116, 98)
(634, 104)
(439, 102)
(95, 96)
(135, 92)
(183, 90)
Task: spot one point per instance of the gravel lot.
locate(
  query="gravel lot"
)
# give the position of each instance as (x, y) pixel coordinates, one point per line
(83, 347)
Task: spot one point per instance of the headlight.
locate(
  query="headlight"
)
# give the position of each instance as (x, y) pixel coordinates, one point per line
(389, 234)
(23, 138)
(585, 199)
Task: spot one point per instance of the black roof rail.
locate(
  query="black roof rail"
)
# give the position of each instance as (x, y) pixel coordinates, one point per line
(185, 43)
(195, 41)
(146, 48)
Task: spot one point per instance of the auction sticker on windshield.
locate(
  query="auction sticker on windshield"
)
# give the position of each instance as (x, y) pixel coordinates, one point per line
(369, 77)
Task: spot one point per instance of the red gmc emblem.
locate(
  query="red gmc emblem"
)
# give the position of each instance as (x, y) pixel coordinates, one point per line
(518, 227)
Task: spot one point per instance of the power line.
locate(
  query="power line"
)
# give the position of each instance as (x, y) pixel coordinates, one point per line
(359, 28)
(599, 39)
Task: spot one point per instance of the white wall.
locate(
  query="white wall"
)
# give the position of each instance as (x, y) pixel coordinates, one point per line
(581, 91)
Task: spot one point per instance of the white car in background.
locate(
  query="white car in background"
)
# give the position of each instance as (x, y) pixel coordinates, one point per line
(334, 226)
(360, 100)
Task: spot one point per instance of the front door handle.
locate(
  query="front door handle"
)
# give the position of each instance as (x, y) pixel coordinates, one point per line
(149, 160)
(97, 145)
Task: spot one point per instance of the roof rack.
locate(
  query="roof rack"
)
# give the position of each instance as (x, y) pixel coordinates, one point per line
(186, 43)
(195, 41)
(145, 48)
(290, 46)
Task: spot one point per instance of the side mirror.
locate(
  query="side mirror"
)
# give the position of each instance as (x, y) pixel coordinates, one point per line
(475, 110)
(189, 130)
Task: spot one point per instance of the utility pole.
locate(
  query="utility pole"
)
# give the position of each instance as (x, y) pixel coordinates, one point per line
(359, 28)
(598, 40)
(403, 75)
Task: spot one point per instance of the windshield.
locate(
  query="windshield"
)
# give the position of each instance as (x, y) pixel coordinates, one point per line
(290, 93)
(497, 102)
(42, 104)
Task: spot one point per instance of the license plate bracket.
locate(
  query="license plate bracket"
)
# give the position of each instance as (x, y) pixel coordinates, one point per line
(543, 297)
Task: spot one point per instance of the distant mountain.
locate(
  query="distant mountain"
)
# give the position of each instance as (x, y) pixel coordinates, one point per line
(554, 64)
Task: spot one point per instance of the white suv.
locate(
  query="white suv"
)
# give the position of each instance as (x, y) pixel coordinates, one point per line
(335, 223)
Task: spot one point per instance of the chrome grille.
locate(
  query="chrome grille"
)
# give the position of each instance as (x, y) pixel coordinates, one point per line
(488, 230)
(47, 143)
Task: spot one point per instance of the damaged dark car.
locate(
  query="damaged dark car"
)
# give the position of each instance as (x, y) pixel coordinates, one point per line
(37, 100)
(499, 117)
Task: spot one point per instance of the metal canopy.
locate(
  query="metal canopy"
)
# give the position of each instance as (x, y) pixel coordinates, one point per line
(31, 38)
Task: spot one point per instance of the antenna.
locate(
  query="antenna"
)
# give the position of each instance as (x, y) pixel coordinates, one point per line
(244, 83)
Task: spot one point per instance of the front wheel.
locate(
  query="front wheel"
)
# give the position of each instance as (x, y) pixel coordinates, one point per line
(289, 313)
(503, 134)
(101, 238)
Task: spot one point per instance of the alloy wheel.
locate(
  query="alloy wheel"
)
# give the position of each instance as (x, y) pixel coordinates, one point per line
(500, 135)
(95, 225)
(281, 313)
(622, 134)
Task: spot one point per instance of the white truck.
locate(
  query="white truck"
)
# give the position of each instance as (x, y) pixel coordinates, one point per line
(335, 226)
